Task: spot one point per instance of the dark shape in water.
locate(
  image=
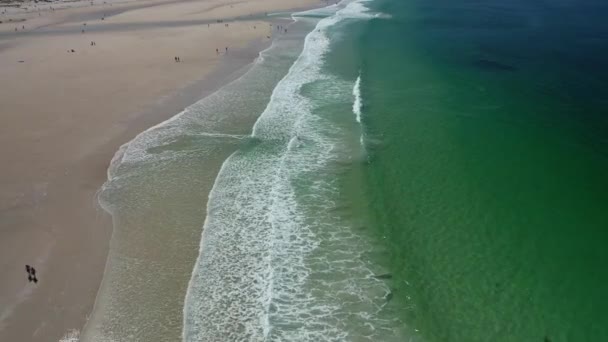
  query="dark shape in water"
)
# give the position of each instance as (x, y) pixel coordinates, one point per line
(489, 65)
(384, 276)
(388, 296)
(547, 339)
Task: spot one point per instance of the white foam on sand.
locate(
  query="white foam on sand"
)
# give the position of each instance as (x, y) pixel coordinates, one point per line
(71, 336)
(197, 132)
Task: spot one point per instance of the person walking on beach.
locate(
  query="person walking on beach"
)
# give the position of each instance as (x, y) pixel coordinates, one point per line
(31, 273)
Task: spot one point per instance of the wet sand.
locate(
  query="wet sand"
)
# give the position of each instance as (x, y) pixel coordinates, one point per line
(63, 116)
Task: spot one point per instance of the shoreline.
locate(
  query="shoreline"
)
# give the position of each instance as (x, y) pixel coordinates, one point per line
(171, 281)
(176, 103)
(41, 214)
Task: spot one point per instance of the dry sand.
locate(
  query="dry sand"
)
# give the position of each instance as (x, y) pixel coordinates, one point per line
(62, 117)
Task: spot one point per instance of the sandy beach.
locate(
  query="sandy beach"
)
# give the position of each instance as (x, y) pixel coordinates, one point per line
(64, 114)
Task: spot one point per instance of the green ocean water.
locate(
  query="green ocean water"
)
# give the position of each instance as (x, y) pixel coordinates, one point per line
(486, 128)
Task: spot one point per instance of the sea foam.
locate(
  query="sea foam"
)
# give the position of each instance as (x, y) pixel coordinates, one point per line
(277, 262)
(357, 104)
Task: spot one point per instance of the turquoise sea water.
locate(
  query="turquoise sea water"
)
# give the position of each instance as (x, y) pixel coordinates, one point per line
(488, 158)
(423, 171)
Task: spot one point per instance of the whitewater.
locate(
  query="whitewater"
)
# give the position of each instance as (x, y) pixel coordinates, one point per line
(278, 260)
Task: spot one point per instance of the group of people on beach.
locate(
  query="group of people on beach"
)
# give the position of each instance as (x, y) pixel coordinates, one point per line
(26, 9)
(281, 28)
(31, 273)
(177, 59)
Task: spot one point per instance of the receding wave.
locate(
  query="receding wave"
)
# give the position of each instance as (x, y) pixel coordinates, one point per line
(156, 184)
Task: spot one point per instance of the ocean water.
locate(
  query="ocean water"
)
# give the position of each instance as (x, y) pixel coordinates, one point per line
(281, 257)
(486, 125)
(409, 171)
